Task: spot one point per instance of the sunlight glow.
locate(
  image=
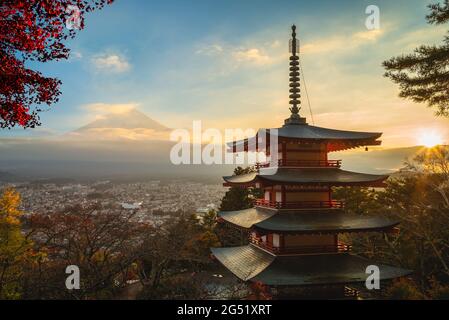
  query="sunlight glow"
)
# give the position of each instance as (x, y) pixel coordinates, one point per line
(430, 139)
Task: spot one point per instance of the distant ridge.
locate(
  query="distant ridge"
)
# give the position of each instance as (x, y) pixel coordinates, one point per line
(381, 161)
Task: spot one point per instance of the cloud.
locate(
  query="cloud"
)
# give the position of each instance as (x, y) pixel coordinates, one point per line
(251, 55)
(368, 35)
(342, 43)
(111, 62)
(234, 56)
(111, 134)
(76, 55)
(210, 49)
(275, 44)
(427, 35)
(105, 108)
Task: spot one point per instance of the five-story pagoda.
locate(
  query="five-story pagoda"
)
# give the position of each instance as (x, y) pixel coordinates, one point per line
(294, 229)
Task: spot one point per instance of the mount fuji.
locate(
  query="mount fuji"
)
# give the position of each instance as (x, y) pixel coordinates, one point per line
(131, 125)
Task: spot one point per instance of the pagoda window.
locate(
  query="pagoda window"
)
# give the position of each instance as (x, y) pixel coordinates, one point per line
(311, 243)
(278, 196)
(276, 240)
(305, 152)
(267, 195)
(293, 196)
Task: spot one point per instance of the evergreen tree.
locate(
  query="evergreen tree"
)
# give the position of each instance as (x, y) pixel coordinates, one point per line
(238, 198)
(423, 76)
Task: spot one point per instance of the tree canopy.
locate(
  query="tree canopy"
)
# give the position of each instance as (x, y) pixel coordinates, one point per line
(15, 248)
(237, 198)
(34, 30)
(418, 197)
(423, 76)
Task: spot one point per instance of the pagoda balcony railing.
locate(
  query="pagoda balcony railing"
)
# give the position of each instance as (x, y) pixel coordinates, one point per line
(300, 204)
(302, 163)
(339, 248)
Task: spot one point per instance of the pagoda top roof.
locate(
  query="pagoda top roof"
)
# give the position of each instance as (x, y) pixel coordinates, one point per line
(305, 131)
(296, 127)
(250, 263)
(305, 221)
(336, 139)
(309, 176)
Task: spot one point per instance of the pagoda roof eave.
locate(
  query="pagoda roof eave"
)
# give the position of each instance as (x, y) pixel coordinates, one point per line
(306, 176)
(250, 263)
(305, 131)
(339, 139)
(246, 218)
(305, 221)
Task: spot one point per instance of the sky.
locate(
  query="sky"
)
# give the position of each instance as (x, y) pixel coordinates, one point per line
(225, 62)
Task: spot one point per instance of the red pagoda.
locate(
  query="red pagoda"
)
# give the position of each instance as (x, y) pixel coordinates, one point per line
(294, 229)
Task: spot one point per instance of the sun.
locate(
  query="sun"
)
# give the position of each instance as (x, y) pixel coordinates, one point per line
(430, 139)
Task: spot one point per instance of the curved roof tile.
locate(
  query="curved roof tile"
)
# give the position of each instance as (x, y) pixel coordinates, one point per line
(332, 221)
(250, 263)
(334, 176)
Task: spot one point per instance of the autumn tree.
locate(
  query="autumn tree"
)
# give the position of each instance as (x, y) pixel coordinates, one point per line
(423, 76)
(104, 244)
(418, 197)
(34, 30)
(362, 199)
(259, 291)
(15, 248)
(403, 289)
(175, 256)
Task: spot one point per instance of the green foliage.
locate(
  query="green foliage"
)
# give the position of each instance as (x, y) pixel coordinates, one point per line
(439, 13)
(239, 198)
(209, 220)
(236, 198)
(422, 76)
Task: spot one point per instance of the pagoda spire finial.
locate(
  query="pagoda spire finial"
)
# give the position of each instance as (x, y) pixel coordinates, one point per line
(295, 86)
